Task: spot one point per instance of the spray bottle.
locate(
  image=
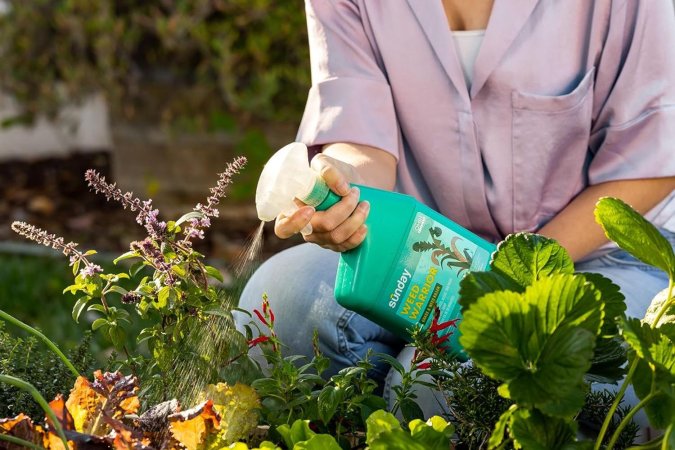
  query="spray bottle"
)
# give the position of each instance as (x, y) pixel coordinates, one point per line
(410, 262)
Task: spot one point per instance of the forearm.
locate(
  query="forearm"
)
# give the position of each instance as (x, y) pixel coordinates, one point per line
(575, 228)
(372, 166)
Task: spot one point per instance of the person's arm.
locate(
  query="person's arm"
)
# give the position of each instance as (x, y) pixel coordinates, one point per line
(341, 227)
(575, 227)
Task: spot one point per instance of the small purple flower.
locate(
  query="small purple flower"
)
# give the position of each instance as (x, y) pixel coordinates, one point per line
(90, 270)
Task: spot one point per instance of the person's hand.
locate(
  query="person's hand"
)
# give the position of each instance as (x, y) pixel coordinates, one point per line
(339, 228)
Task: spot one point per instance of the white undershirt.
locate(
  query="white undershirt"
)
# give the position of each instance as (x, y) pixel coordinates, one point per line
(467, 44)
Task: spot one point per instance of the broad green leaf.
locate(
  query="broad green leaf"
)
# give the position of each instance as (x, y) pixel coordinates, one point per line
(411, 410)
(661, 410)
(614, 300)
(214, 273)
(493, 331)
(118, 289)
(380, 422)
(298, 432)
(476, 284)
(650, 344)
(117, 336)
(539, 342)
(97, 307)
(136, 268)
(79, 306)
(127, 255)
(318, 442)
(434, 433)
(533, 430)
(98, 323)
(655, 307)
(163, 297)
(609, 359)
(328, 401)
(526, 257)
(635, 234)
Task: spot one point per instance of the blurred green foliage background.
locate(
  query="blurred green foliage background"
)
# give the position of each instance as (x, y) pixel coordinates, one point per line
(200, 64)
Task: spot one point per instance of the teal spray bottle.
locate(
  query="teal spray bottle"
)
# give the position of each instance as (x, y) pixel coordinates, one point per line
(410, 262)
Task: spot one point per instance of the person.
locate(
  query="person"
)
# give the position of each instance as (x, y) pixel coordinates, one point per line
(505, 116)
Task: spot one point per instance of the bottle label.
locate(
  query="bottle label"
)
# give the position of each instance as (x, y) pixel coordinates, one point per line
(431, 265)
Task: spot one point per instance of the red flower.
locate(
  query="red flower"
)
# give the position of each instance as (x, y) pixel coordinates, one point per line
(423, 366)
(259, 340)
(436, 327)
(261, 317)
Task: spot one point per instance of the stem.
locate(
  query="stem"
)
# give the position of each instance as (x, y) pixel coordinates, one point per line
(666, 304)
(52, 346)
(666, 437)
(615, 405)
(19, 441)
(16, 382)
(626, 419)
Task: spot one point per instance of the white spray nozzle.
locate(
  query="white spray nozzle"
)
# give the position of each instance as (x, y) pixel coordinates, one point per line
(286, 176)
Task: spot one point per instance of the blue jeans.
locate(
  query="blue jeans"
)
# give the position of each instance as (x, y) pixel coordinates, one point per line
(299, 283)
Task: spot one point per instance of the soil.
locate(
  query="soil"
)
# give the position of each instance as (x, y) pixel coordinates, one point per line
(52, 194)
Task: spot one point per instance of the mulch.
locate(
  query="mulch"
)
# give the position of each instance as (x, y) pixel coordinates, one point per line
(52, 194)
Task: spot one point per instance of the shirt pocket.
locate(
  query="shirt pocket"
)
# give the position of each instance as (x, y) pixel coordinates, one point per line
(550, 136)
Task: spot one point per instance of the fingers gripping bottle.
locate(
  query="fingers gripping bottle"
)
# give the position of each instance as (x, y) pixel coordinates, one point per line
(410, 263)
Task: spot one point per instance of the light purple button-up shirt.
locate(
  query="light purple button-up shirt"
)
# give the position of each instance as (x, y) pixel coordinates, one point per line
(564, 94)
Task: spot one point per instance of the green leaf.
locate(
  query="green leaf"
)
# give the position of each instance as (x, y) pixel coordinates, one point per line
(526, 257)
(136, 268)
(73, 288)
(383, 432)
(328, 401)
(188, 216)
(90, 252)
(79, 306)
(534, 431)
(614, 300)
(214, 273)
(218, 311)
(97, 307)
(661, 410)
(434, 433)
(117, 289)
(98, 323)
(540, 342)
(497, 436)
(380, 422)
(298, 432)
(635, 234)
(608, 361)
(318, 442)
(127, 255)
(117, 336)
(178, 270)
(650, 344)
(393, 362)
(163, 297)
(411, 410)
(76, 267)
(476, 284)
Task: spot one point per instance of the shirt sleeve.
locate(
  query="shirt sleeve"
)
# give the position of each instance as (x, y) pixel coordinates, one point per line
(634, 102)
(350, 99)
